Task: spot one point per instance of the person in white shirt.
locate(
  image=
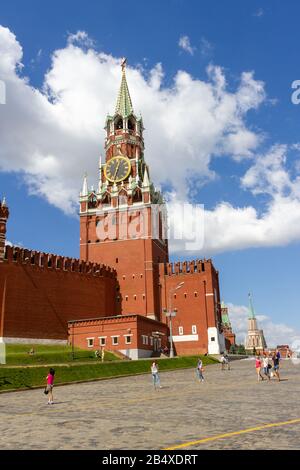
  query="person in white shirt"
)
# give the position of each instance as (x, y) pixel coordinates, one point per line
(155, 376)
(266, 366)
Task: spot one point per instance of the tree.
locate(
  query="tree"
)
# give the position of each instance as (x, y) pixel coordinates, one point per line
(241, 349)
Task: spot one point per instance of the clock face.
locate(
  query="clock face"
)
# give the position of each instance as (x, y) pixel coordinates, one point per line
(117, 169)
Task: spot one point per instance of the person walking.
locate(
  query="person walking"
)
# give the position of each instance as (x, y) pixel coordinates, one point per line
(200, 370)
(266, 366)
(49, 386)
(155, 376)
(223, 362)
(227, 361)
(276, 360)
(258, 368)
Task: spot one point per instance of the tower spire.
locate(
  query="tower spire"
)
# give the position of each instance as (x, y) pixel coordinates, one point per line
(251, 309)
(84, 191)
(124, 105)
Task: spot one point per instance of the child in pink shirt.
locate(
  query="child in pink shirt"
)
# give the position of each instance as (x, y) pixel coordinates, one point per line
(49, 387)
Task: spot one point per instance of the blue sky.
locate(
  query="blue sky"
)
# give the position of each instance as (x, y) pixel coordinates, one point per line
(249, 36)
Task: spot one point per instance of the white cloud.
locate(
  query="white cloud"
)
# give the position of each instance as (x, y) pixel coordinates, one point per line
(80, 38)
(206, 47)
(53, 136)
(185, 44)
(259, 13)
(230, 228)
(275, 333)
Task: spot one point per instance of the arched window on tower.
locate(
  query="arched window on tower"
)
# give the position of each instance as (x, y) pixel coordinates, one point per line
(118, 123)
(137, 197)
(122, 197)
(106, 200)
(92, 201)
(131, 125)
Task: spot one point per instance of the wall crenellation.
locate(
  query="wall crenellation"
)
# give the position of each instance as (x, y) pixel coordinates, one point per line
(14, 254)
(187, 267)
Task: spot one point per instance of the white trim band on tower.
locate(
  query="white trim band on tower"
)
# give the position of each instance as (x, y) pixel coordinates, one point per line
(184, 338)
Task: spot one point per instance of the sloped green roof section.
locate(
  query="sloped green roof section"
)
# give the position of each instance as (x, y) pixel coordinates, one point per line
(124, 105)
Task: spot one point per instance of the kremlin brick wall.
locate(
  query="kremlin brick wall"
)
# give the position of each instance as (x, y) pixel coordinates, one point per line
(41, 292)
(196, 303)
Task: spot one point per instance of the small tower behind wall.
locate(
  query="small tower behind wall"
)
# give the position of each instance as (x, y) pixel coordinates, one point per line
(255, 338)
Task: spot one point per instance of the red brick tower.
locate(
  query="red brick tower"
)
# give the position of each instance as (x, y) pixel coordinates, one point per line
(122, 223)
(4, 213)
(227, 328)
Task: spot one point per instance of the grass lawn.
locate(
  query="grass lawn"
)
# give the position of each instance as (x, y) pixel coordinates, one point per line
(27, 377)
(17, 354)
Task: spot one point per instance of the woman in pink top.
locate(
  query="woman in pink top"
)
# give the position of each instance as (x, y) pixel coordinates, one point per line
(49, 387)
(258, 368)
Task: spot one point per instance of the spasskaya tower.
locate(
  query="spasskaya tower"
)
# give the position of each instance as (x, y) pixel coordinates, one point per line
(123, 222)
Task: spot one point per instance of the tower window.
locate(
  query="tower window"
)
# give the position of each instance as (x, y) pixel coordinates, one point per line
(117, 260)
(196, 294)
(119, 124)
(130, 125)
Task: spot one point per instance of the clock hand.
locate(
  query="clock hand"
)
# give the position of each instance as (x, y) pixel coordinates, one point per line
(118, 164)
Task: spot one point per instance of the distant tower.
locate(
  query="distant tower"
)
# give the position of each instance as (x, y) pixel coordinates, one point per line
(255, 338)
(226, 327)
(4, 213)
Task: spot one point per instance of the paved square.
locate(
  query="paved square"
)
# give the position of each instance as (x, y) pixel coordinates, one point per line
(127, 413)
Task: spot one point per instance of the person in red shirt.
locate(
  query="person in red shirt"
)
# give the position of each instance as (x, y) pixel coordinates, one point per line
(49, 386)
(258, 368)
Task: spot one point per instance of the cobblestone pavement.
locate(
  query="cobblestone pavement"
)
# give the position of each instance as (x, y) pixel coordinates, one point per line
(127, 413)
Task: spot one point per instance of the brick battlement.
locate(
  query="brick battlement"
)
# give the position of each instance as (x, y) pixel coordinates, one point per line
(187, 267)
(42, 260)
